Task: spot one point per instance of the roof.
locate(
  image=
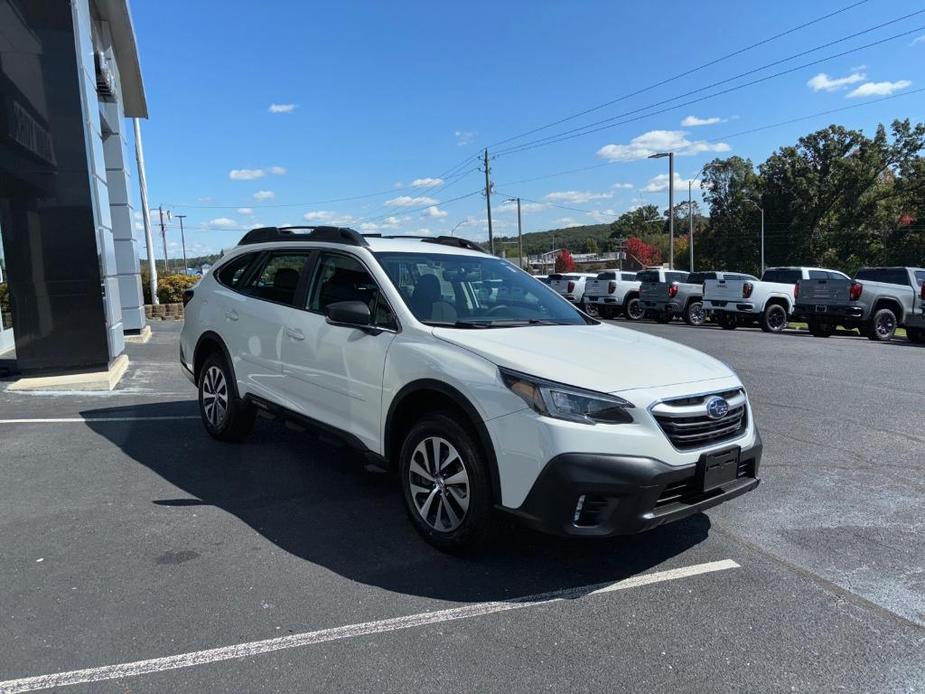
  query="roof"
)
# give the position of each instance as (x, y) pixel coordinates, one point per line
(117, 13)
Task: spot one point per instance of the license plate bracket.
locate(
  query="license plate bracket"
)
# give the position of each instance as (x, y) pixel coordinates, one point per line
(718, 468)
(821, 308)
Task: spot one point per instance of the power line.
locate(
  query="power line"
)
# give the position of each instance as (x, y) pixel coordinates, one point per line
(419, 209)
(608, 122)
(680, 75)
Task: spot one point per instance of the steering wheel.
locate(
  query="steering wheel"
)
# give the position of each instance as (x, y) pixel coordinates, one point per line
(500, 310)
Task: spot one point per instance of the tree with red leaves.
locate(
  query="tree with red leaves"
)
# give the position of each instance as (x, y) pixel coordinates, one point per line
(564, 261)
(645, 253)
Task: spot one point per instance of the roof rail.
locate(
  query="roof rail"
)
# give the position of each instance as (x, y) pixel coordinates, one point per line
(343, 235)
(442, 240)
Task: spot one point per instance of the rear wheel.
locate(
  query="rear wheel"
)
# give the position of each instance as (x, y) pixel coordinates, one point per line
(226, 416)
(882, 325)
(694, 313)
(774, 318)
(727, 320)
(634, 310)
(445, 481)
(821, 328)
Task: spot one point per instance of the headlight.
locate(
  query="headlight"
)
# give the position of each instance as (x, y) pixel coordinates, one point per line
(564, 402)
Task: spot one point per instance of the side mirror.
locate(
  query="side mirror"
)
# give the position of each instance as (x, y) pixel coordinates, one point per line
(353, 314)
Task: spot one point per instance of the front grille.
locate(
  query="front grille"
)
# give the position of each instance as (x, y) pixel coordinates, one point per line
(687, 491)
(687, 425)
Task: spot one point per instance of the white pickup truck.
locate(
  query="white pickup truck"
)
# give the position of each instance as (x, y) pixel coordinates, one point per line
(770, 301)
(570, 285)
(611, 292)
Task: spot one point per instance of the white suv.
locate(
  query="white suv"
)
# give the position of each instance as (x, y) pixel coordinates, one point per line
(482, 387)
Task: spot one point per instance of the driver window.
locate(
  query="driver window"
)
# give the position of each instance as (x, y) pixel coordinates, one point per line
(339, 277)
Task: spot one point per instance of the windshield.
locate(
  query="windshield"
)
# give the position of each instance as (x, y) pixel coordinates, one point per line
(468, 291)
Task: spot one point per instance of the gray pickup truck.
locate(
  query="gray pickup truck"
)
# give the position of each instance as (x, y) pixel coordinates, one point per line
(683, 297)
(658, 290)
(876, 302)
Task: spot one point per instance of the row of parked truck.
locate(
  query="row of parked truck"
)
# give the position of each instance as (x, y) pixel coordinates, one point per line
(876, 302)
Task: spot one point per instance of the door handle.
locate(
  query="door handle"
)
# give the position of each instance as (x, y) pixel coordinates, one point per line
(295, 334)
(231, 315)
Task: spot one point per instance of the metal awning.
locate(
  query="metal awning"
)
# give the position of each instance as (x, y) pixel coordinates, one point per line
(117, 13)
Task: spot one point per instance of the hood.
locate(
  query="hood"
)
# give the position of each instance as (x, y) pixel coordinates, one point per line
(602, 357)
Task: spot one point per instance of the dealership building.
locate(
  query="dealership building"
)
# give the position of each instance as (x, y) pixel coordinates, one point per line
(70, 287)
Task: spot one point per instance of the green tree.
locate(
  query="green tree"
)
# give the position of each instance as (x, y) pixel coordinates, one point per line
(635, 222)
(591, 246)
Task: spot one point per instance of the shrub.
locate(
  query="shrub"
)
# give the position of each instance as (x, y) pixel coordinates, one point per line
(170, 287)
(4, 297)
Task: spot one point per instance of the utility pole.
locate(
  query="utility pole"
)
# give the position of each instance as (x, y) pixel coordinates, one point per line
(671, 211)
(520, 236)
(181, 217)
(762, 240)
(690, 219)
(491, 236)
(143, 188)
(160, 211)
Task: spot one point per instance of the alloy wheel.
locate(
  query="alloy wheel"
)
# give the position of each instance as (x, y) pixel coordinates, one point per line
(439, 484)
(214, 396)
(697, 315)
(886, 325)
(634, 310)
(777, 318)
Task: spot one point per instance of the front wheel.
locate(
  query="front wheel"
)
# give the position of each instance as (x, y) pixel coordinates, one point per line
(727, 320)
(634, 310)
(774, 318)
(445, 481)
(882, 325)
(226, 416)
(694, 313)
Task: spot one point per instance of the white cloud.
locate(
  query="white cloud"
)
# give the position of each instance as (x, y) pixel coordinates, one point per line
(823, 83)
(424, 232)
(264, 195)
(246, 211)
(278, 170)
(319, 216)
(408, 201)
(622, 186)
(465, 137)
(511, 206)
(656, 141)
(368, 226)
(426, 182)
(565, 222)
(282, 108)
(246, 174)
(694, 121)
(659, 183)
(434, 211)
(221, 223)
(920, 39)
(601, 216)
(879, 88)
(390, 223)
(576, 196)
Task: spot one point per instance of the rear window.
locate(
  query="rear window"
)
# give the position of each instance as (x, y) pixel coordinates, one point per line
(232, 273)
(920, 276)
(648, 276)
(676, 277)
(607, 276)
(700, 277)
(782, 276)
(628, 276)
(887, 275)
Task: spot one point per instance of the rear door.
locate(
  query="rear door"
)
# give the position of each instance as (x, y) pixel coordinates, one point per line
(824, 289)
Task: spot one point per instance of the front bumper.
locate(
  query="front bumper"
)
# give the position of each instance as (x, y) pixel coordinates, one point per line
(834, 310)
(624, 495)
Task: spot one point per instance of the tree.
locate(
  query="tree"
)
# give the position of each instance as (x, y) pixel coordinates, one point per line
(635, 222)
(591, 246)
(731, 240)
(645, 253)
(564, 261)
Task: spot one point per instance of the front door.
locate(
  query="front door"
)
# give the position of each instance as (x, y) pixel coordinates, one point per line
(333, 373)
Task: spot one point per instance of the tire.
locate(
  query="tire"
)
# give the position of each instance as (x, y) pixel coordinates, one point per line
(727, 320)
(663, 317)
(821, 328)
(225, 416)
(773, 318)
(916, 335)
(590, 309)
(633, 309)
(449, 516)
(882, 325)
(694, 313)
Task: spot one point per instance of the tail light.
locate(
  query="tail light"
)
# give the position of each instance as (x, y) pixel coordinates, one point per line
(673, 290)
(611, 287)
(854, 293)
(187, 296)
(570, 288)
(796, 291)
(747, 289)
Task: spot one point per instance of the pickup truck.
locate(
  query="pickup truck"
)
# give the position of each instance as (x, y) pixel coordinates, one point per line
(570, 285)
(876, 302)
(686, 298)
(610, 291)
(657, 292)
(769, 301)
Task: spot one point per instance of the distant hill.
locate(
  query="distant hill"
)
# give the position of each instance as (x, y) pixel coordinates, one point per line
(572, 238)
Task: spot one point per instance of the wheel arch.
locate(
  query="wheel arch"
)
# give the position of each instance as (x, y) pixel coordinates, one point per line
(890, 303)
(780, 300)
(208, 343)
(426, 395)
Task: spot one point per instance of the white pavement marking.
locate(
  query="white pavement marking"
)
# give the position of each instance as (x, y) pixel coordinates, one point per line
(81, 420)
(253, 648)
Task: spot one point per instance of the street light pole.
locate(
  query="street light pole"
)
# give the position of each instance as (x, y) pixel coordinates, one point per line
(181, 217)
(690, 220)
(145, 211)
(670, 156)
(760, 209)
(520, 238)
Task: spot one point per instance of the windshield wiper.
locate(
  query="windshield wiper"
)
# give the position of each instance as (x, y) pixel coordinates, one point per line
(457, 324)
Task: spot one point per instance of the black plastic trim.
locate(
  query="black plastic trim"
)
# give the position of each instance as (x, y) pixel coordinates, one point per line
(326, 234)
(212, 336)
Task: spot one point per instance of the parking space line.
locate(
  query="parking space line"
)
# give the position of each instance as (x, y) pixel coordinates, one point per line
(82, 420)
(253, 648)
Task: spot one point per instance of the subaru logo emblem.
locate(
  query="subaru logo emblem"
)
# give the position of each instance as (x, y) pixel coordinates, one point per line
(717, 408)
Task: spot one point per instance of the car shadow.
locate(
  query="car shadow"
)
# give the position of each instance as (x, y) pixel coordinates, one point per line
(323, 504)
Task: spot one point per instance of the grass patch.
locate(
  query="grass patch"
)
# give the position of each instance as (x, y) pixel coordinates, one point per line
(797, 325)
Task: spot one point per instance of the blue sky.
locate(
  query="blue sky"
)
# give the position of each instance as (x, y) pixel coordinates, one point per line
(266, 113)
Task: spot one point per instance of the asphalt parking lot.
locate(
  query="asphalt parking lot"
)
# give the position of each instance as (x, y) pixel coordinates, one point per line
(140, 555)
